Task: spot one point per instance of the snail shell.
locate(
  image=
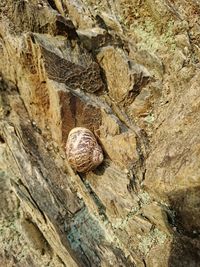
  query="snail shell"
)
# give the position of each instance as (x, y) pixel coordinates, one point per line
(83, 151)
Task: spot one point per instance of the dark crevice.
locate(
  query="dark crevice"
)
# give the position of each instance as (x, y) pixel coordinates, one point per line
(101, 22)
(52, 4)
(2, 141)
(29, 196)
(85, 259)
(94, 196)
(66, 27)
(61, 261)
(144, 175)
(171, 217)
(132, 186)
(145, 265)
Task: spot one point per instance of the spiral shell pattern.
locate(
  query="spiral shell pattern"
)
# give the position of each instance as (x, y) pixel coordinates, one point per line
(82, 150)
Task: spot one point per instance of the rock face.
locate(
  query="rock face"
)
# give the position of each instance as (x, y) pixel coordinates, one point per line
(128, 71)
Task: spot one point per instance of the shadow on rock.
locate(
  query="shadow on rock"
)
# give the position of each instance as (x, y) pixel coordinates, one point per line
(185, 248)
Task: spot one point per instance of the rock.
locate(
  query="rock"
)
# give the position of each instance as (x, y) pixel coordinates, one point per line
(134, 76)
(121, 149)
(129, 72)
(111, 22)
(183, 41)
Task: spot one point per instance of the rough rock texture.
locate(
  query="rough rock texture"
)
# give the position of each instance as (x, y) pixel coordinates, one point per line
(129, 71)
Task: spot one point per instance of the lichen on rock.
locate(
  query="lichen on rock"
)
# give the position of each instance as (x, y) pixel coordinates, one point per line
(128, 71)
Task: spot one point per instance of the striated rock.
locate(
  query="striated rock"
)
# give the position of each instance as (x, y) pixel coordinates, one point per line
(129, 72)
(73, 75)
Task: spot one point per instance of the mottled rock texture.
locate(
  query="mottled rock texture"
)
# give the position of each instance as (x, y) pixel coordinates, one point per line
(128, 70)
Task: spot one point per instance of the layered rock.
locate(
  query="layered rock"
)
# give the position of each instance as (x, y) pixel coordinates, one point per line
(129, 72)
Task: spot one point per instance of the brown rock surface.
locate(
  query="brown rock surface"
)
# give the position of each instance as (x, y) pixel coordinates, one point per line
(129, 71)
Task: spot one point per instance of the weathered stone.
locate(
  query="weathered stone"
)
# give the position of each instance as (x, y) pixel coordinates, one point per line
(129, 71)
(121, 149)
(73, 75)
(111, 22)
(124, 78)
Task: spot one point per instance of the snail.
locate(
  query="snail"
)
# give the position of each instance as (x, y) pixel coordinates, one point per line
(82, 150)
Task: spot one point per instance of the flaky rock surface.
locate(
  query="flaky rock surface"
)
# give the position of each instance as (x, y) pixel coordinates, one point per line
(128, 71)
